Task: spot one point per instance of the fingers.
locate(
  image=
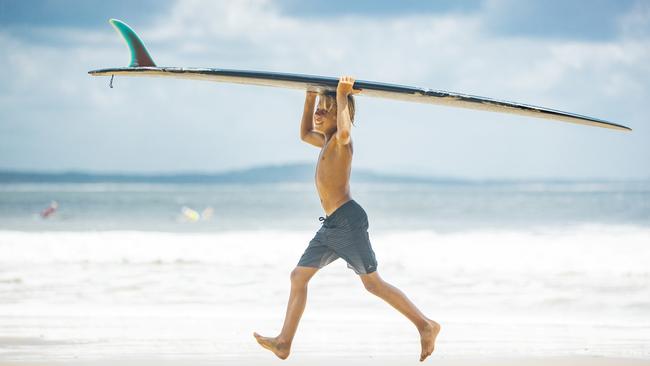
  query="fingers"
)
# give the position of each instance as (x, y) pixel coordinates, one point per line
(346, 80)
(349, 81)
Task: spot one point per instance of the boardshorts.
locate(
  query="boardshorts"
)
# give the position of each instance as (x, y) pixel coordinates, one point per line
(343, 234)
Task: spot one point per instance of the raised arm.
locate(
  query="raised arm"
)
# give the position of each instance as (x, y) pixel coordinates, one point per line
(343, 121)
(307, 133)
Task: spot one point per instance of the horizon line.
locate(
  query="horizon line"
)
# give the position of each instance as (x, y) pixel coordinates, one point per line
(279, 166)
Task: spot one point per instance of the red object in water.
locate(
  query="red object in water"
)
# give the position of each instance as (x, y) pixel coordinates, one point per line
(50, 210)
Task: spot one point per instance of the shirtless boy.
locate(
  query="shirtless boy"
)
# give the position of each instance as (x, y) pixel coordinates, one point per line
(344, 233)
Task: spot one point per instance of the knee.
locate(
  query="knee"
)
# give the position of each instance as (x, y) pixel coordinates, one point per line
(373, 286)
(298, 278)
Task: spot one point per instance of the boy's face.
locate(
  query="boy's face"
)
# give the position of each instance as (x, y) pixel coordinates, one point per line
(325, 114)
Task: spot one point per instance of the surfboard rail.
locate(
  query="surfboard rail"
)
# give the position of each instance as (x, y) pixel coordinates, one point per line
(142, 65)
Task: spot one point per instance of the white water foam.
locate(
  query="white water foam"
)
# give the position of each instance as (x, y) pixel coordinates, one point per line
(584, 290)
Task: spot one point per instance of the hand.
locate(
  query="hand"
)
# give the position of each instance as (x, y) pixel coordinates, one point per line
(345, 86)
(310, 97)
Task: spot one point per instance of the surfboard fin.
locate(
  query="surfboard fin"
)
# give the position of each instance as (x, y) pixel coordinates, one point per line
(139, 55)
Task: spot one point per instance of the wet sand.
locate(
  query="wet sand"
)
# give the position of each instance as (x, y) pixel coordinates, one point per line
(357, 361)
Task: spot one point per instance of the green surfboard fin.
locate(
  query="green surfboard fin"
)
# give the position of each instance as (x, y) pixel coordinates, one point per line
(139, 55)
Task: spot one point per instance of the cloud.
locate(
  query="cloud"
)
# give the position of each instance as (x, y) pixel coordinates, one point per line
(86, 14)
(154, 124)
(636, 23)
(373, 8)
(567, 19)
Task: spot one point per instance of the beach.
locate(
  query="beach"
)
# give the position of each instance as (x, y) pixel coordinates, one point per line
(367, 361)
(195, 293)
(164, 165)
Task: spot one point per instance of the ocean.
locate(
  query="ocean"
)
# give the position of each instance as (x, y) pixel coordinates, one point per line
(508, 268)
(440, 208)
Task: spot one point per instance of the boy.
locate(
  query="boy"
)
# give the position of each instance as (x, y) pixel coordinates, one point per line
(344, 232)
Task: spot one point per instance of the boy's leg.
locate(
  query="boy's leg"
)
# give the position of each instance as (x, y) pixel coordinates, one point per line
(281, 345)
(428, 328)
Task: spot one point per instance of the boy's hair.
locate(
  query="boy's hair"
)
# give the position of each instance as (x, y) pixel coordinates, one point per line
(332, 98)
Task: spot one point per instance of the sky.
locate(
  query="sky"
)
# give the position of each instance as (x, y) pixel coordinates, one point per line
(588, 58)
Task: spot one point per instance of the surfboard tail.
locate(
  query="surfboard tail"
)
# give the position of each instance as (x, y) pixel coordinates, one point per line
(139, 55)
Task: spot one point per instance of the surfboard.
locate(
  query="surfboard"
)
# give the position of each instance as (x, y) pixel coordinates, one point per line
(142, 64)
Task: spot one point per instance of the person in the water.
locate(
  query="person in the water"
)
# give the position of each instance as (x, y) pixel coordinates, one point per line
(50, 210)
(344, 231)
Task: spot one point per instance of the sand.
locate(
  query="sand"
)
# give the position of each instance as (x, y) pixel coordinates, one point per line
(339, 361)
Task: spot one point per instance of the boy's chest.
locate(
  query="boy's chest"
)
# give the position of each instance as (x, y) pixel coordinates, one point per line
(333, 152)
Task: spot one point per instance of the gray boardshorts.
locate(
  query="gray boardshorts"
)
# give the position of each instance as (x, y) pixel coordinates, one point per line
(343, 234)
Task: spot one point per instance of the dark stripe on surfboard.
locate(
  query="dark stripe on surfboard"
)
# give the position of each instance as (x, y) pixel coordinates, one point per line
(385, 90)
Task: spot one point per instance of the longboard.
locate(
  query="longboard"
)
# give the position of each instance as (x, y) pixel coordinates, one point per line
(143, 65)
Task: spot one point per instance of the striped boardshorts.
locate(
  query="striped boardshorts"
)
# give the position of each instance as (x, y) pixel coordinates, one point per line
(343, 234)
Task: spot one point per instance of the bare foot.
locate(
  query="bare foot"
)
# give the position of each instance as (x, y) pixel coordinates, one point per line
(281, 349)
(428, 336)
